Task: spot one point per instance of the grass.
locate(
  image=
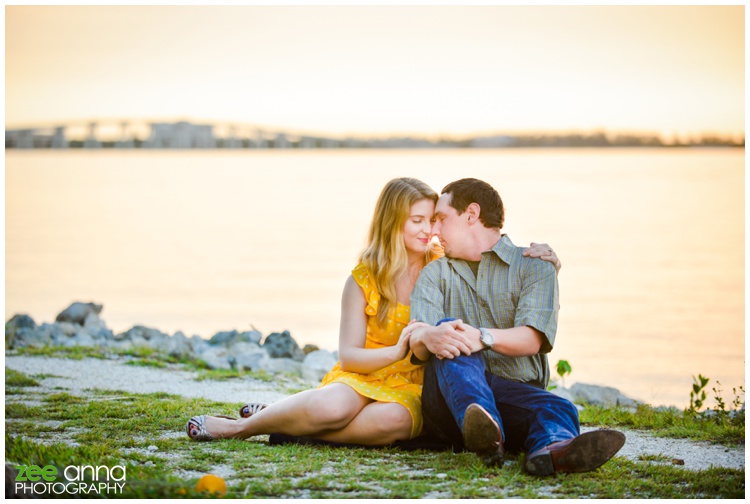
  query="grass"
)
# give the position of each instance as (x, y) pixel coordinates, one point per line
(120, 428)
(668, 423)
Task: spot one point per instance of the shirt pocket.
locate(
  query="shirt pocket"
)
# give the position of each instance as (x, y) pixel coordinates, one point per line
(502, 310)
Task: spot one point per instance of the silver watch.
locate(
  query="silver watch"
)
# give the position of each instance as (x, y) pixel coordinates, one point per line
(486, 337)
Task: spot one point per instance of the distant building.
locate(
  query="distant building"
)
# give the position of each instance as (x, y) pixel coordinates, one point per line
(181, 135)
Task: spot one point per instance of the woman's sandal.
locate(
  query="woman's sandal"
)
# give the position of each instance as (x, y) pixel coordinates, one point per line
(252, 408)
(196, 428)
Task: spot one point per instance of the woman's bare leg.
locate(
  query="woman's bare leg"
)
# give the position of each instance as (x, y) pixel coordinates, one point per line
(377, 424)
(307, 413)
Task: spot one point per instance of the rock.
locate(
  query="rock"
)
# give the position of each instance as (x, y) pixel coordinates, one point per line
(77, 312)
(231, 337)
(600, 396)
(223, 337)
(198, 344)
(216, 357)
(309, 348)
(96, 327)
(281, 365)
(67, 328)
(12, 326)
(56, 332)
(153, 448)
(564, 393)
(81, 338)
(247, 356)
(139, 334)
(316, 365)
(28, 337)
(178, 346)
(20, 320)
(282, 345)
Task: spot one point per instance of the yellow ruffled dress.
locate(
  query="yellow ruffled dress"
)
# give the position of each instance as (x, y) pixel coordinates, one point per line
(401, 382)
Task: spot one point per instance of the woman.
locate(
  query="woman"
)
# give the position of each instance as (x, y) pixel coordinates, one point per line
(372, 396)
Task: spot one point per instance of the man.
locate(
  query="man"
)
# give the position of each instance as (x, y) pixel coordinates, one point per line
(490, 318)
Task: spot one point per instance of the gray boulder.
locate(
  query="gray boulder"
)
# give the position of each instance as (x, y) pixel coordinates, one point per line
(231, 337)
(77, 312)
(600, 396)
(28, 337)
(14, 325)
(96, 327)
(316, 365)
(216, 357)
(20, 320)
(281, 365)
(564, 393)
(179, 346)
(56, 332)
(198, 344)
(80, 338)
(282, 345)
(248, 356)
(140, 336)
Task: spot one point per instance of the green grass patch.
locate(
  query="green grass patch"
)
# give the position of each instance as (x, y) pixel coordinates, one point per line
(668, 423)
(15, 378)
(117, 428)
(120, 428)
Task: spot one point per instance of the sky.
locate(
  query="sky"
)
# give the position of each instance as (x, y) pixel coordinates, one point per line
(359, 70)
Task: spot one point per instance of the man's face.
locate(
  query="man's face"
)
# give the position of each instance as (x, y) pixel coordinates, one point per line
(450, 227)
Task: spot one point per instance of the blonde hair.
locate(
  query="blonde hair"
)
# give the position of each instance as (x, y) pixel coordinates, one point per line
(385, 253)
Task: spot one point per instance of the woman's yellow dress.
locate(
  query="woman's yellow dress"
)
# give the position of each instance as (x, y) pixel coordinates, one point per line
(400, 382)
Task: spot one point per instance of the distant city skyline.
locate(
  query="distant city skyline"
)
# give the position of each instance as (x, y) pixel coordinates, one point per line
(129, 134)
(430, 71)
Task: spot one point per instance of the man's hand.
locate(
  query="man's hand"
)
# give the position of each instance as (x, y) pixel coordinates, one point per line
(473, 336)
(544, 252)
(446, 341)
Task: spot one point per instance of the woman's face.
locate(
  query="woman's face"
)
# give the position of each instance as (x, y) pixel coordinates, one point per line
(417, 227)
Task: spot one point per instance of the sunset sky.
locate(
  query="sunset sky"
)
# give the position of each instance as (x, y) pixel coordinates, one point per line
(431, 70)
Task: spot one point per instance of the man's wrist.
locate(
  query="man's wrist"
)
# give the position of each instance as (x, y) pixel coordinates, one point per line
(486, 338)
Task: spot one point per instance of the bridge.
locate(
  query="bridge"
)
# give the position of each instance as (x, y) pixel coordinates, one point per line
(125, 134)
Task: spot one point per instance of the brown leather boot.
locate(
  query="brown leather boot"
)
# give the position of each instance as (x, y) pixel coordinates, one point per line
(579, 454)
(482, 436)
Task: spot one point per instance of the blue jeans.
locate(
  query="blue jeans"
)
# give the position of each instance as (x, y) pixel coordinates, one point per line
(529, 418)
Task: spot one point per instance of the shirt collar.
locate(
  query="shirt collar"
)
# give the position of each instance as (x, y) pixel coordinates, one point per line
(504, 249)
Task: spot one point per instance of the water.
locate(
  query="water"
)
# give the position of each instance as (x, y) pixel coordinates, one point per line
(652, 244)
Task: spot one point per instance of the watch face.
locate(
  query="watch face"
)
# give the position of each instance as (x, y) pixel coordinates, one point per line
(487, 339)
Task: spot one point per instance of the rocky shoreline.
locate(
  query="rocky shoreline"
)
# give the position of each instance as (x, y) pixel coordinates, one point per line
(276, 353)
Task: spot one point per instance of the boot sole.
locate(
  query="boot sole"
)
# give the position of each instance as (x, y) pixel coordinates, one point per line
(587, 452)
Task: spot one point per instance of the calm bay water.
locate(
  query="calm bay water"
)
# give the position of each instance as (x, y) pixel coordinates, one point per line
(652, 244)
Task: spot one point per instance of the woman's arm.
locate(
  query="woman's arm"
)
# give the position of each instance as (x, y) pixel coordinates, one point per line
(353, 355)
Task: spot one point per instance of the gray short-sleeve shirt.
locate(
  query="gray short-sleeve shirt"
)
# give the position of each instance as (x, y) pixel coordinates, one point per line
(509, 290)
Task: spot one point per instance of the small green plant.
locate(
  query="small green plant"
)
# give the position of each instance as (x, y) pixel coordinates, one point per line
(698, 394)
(563, 368)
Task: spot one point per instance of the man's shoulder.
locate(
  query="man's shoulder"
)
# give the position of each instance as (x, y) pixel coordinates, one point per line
(513, 255)
(436, 265)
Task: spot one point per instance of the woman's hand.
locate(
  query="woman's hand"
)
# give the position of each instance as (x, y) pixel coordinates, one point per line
(401, 348)
(544, 252)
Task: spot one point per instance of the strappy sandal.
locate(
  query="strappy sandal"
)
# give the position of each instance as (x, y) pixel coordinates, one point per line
(252, 408)
(196, 427)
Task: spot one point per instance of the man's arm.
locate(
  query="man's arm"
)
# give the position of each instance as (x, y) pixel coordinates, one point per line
(427, 305)
(521, 341)
(535, 317)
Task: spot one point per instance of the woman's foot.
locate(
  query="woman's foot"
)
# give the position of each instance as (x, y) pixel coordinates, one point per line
(250, 409)
(208, 428)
